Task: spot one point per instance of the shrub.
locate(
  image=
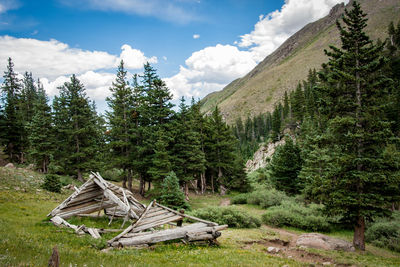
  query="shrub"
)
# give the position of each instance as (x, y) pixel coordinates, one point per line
(171, 195)
(228, 215)
(295, 214)
(385, 233)
(240, 199)
(266, 198)
(52, 183)
(113, 174)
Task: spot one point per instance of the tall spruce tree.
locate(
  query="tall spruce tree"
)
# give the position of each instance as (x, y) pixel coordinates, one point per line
(221, 150)
(285, 166)
(356, 179)
(121, 123)
(41, 135)
(75, 122)
(13, 126)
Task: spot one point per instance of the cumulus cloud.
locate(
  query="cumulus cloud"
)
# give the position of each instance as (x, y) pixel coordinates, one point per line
(134, 58)
(173, 10)
(196, 36)
(96, 84)
(52, 59)
(212, 68)
(274, 28)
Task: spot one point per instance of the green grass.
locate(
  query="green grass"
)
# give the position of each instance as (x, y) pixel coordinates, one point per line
(27, 237)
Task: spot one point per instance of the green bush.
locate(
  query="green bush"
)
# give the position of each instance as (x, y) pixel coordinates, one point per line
(295, 214)
(52, 183)
(240, 199)
(385, 233)
(115, 175)
(171, 195)
(228, 215)
(266, 198)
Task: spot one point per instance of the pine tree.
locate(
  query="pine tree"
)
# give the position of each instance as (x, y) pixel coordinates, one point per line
(285, 166)
(276, 122)
(356, 181)
(221, 148)
(41, 137)
(75, 122)
(120, 122)
(171, 195)
(13, 127)
(161, 163)
(189, 157)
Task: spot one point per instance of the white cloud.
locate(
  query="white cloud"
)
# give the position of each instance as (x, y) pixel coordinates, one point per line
(52, 59)
(134, 58)
(210, 69)
(196, 36)
(172, 10)
(96, 84)
(274, 28)
(6, 5)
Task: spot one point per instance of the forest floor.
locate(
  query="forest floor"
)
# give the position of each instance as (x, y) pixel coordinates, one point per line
(27, 237)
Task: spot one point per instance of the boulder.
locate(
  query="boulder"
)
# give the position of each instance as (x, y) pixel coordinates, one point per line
(10, 165)
(320, 241)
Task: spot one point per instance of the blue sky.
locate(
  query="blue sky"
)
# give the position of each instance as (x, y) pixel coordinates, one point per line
(197, 46)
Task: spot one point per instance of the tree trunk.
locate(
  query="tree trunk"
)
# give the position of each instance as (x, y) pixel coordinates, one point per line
(141, 186)
(359, 230)
(124, 179)
(222, 188)
(186, 190)
(130, 180)
(212, 183)
(203, 183)
(80, 177)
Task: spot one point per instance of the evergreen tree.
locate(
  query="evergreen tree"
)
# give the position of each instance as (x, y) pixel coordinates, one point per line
(75, 122)
(13, 127)
(221, 149)
(41, 137)
(356, 180)
(161, 163)
(120, 123)
(188, 154)
(171, 195)
(285, 166)
(276, 122)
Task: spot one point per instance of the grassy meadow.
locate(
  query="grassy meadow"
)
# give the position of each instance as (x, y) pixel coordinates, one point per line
(27, 237)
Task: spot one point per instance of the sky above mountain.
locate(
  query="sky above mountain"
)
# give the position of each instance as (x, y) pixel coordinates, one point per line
(197, 46)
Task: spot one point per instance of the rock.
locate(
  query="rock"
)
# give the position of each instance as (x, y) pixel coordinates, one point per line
(273, 250)
(262, 155)
(320, 241)
(10, 165)
(31, 167)
(16, 188)
(326, 263)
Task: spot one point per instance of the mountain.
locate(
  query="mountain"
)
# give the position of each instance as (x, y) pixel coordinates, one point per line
(261, 88)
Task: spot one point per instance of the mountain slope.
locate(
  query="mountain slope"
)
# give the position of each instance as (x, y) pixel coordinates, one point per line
(261, 88)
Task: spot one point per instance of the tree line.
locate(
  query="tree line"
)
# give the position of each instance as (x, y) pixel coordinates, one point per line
(140, 133)
(343, 121)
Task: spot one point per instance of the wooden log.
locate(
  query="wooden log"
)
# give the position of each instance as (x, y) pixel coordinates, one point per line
(94, 233)
(57, 220)
(160, 212)
(88, 209)
(66, 201)
(159, 236)
(128, 229)
(157, 223)
(187, 216)
(157, 218)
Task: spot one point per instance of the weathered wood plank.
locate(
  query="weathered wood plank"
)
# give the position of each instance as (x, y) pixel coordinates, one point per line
(187, 216)
(155, 224)
(128, 229)
(94, 233)
(157, 218)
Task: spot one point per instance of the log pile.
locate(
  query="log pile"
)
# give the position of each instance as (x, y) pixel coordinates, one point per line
(97, 194)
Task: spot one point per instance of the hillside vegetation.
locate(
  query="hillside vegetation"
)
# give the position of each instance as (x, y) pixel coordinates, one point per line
(27, 237)
(260, 89)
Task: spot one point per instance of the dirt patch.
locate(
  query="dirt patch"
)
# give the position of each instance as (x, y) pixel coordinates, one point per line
(285, 247)
(225, 202)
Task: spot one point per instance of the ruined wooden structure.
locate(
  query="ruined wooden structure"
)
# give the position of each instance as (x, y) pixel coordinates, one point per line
(146, 225)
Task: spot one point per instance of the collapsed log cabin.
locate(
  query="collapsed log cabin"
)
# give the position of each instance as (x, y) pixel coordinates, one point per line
(97, 194)
(157, 215)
